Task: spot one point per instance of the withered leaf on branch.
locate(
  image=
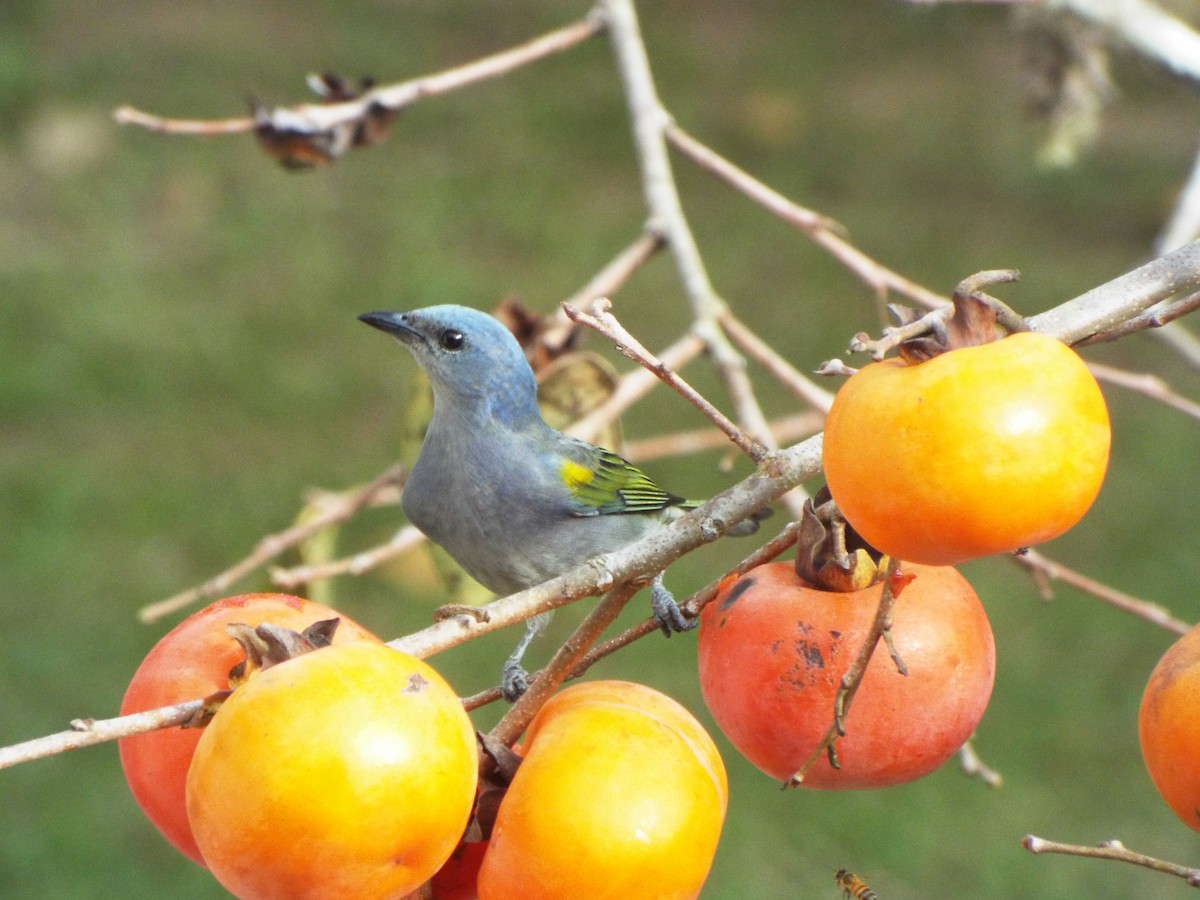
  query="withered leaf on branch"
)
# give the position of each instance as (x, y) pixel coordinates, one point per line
(298, 143)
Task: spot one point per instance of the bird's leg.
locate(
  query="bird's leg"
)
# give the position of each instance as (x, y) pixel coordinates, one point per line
(667, 613)
(514, 680)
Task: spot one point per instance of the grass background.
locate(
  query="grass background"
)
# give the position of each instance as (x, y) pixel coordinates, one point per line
(179, 362)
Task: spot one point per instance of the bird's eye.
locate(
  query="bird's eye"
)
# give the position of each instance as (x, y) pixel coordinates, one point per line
(453, 339)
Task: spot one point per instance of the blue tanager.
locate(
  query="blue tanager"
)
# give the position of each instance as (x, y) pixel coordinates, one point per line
(512, 500)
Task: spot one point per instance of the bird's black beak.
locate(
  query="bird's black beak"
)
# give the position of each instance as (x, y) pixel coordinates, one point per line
(389, 322)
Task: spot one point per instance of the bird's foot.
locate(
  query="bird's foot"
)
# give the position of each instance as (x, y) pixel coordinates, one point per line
(667, 613)
(514, 680)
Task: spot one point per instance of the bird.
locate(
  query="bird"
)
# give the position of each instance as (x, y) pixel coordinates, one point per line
(512, 500)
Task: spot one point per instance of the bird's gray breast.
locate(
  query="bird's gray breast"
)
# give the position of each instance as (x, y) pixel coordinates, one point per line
(501, 509)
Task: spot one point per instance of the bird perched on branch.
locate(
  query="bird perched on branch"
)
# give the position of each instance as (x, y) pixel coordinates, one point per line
(513, 501)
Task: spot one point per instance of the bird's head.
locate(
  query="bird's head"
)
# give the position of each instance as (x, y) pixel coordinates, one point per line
(473, 362)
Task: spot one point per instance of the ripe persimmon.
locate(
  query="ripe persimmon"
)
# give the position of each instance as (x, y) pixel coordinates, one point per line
(348, 771)
(621, 793)
(190, 662)
(1169, 727)
(979, 450)
(773, 650)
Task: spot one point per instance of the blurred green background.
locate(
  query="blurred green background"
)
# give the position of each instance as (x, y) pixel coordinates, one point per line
(180, 361)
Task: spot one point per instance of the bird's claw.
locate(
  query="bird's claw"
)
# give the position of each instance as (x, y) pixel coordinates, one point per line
(667, 613)
(514, 681)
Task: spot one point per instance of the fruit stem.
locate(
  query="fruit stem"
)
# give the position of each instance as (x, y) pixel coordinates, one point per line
(880, 627)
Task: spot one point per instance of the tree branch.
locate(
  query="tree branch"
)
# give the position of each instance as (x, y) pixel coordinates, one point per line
(1113, 850)
(338, 510)
(328, 116)
(823, 231)
(1104, 307)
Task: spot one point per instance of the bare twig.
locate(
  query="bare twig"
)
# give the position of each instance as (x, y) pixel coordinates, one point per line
(1143, 609)
(1155, 318)
(648, 626)
(786, 430)
(326, 116)
(1147, 385)
(779, 368)
(336, 511)
(1114, 301)
(86, 732)
(634, 385)
(1113, 850)
(513, 723)
(650, 120)
(974, 767)
(608, 280)
(603, 321)
(852, 678)
(356, 564)
(793, 213)
(823, 231)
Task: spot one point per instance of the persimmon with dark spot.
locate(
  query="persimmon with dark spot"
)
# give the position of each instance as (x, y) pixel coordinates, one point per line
(773, 650)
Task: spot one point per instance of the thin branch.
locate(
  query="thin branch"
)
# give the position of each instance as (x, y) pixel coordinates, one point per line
(794, 214)
(1153, 318)
(86, 732)
(356, 564)
(648, 626)
(513, 723)
(974, 767)
(1143, 609)
(823, 231)
(327, 116)
(649, 120)
(1176, 336)
(336, 511)
(1113, 850)
(779, 368)
(785, 430)
(1147, 385)
(607, 281)
(620, 269)
(852, 678)
(603, 321)
(1103, 307)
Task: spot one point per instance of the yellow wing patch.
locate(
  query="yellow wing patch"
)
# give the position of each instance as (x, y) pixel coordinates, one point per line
(576, 476)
